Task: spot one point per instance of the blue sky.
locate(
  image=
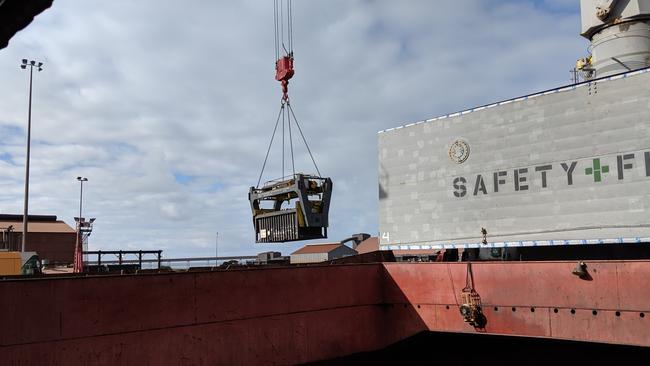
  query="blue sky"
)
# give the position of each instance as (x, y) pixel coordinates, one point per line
(167, 107)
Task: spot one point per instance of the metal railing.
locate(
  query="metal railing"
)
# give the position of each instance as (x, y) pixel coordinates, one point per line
(158, 261)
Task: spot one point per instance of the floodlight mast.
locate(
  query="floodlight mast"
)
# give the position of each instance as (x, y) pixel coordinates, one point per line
(32, 64)
(78, 258)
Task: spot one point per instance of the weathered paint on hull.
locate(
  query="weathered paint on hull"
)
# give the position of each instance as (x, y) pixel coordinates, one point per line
(302, 314)
(535, 290)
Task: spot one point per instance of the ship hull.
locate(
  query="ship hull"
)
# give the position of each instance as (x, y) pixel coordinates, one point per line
(295, 315)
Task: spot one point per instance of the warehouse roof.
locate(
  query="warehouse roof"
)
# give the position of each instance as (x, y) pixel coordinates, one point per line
(369, 245)
(36, 224)
(317, 248)
(38, 227)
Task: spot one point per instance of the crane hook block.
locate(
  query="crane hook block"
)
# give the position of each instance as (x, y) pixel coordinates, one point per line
(283, 72)
(292, 209)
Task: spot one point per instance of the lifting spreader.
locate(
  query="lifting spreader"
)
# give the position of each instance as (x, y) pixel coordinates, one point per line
(291, 209)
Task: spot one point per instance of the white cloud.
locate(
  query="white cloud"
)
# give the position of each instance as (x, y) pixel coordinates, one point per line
(134, 93)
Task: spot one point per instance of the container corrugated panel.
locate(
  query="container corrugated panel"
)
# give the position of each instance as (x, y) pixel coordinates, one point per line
(277, 227)
(565, 166)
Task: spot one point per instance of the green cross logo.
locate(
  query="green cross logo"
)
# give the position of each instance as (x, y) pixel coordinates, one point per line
(597, 170)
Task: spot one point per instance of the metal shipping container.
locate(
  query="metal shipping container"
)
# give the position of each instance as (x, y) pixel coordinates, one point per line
(565, 166)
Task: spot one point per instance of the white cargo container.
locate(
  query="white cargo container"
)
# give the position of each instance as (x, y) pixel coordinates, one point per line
(565, 166)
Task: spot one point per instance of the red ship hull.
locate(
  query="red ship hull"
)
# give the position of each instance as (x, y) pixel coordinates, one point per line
(296, 315)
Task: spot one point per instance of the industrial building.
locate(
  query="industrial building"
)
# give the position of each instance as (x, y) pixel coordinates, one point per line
(272, 257)
(317, 253)
(52, 239)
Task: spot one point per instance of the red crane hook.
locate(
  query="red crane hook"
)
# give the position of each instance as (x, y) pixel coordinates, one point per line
(283, 72)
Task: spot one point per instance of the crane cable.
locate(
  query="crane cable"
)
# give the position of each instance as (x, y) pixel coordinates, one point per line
(289, 116)
(275, 29)
(279, 12)
(290, 14)
(270, 144)
(283, 9)
(303, 138)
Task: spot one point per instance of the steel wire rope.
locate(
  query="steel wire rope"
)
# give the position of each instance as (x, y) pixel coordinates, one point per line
(290, 26)
(469, 277)
(303, 138)
(275, 29)
(282, 24)
(283, 122)
(279, 21)
(270, 144)
(293, 165)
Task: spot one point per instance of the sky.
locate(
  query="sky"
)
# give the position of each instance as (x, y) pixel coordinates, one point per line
(167, 107)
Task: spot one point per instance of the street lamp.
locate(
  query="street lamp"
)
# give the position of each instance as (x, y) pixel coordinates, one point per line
(78, 259)
(39, 65)
(81, 192)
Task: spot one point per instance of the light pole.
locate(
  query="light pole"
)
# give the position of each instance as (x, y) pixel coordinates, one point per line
(81, 193)
(32, 64)
(78, 259)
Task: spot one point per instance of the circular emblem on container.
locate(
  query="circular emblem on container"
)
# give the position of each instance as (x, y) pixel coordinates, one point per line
(459, 151)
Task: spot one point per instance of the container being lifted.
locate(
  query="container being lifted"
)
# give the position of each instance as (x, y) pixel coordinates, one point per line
(295, 207)
(306, 200)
